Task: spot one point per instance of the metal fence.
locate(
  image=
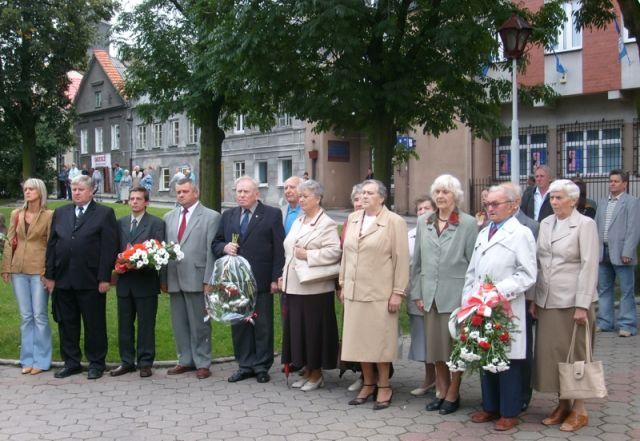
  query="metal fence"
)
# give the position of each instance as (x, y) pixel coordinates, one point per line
(597, 188)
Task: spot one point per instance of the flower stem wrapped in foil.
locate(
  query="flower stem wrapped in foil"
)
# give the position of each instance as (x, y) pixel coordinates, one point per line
(234, 286)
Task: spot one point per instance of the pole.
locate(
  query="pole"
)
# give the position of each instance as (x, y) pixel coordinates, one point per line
(515, 141)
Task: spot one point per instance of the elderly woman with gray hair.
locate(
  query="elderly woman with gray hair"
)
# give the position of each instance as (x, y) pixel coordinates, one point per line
(374, 274)
(443, 249)
(566, 292)
(310, 336)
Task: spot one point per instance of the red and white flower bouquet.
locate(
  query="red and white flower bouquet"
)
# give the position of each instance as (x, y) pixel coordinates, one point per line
(149, 254)
(482, 328)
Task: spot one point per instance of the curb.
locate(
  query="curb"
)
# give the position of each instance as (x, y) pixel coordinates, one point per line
(157, 364)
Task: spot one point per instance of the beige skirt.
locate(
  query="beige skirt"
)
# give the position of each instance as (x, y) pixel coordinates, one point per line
(436, 329)
(553, 338)
(370, 332)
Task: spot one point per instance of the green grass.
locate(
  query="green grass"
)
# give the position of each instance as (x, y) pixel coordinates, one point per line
(165, 346)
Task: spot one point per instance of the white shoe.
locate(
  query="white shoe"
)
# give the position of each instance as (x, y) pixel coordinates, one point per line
(357, 385)
(310, 385)
(624, 333)
(421, 391)
(298, 384)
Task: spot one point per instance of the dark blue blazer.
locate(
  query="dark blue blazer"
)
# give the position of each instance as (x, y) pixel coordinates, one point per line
(261, 246)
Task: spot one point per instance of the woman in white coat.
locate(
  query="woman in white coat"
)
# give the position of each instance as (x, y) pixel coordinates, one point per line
(505, 251)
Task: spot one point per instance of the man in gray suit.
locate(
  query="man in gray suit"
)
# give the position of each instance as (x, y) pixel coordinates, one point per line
(526, 368)
(193, 226)
(617, 220)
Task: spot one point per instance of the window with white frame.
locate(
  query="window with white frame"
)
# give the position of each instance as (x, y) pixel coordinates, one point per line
(284, 120)
(98, 133)
(261, 173)
(84, 141)
(285, 169)
(533, 152)
(568, 37)
(98, 95)
(142, 136)
(591, 150)
(157, 135)
(239, 126)
(165, 178)
(194, 133)
(175, 132)
(238, 169)
(625, 33)
(115, 136)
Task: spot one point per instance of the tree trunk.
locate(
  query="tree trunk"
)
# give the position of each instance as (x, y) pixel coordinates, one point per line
(382, 137)
(28, 133)
(211, 138)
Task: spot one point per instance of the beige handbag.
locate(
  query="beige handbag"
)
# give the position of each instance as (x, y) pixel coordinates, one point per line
(310, 274)
(580, 380)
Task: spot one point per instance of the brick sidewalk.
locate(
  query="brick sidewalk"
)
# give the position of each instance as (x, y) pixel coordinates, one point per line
(184, 408)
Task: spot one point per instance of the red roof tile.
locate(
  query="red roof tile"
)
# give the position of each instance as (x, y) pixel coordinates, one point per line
(109, 68)
(75, 79)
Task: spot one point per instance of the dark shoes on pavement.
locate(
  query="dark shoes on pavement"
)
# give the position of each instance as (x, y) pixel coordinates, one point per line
(448, 407)
(179, 369)
(94, 373)
(434, 405)
(67, 372)
(121, 370)
(240, 375)
(203, 373)
(145, 371)
(263, 377)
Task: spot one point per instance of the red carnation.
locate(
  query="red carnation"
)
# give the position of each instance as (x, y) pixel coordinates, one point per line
(463, 338)
(484, 345)
(476, 320)
(504, 337)
(497, 326)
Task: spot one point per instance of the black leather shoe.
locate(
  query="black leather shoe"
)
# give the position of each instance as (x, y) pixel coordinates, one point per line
(94, 374)
(145, 372)
(448, 407)
(121, 370)
(67, 372)
(263, 377)
(434, 405)
(239, 376)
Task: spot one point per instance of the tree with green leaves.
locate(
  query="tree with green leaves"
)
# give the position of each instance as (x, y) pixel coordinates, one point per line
(380, 66)
(40, 42)
(165, 44)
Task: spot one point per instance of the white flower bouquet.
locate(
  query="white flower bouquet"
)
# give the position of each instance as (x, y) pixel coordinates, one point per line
(149, 254)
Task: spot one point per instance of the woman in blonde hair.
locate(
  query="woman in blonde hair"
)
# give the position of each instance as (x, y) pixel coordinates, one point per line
(23, 265)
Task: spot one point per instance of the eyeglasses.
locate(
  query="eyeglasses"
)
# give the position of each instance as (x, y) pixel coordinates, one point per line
(496, 204)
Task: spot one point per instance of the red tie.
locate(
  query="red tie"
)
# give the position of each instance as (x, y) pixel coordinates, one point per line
(183, 225)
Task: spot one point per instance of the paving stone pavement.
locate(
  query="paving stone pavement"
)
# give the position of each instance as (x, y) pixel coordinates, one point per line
(184, 408)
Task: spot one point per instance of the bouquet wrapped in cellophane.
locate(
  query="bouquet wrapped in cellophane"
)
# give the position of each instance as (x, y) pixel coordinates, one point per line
(234, 287)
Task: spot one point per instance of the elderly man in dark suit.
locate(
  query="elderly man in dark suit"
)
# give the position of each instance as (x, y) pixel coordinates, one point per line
(138, 290)
(80, 256)
(261, 237)
(535, 201)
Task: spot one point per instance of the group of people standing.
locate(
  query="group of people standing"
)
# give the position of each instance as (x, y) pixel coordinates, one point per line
(547, 258)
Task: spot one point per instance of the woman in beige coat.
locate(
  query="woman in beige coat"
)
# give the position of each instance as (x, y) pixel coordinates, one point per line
(566, 292)
(310, 336)
(24, 267)
(374, 275)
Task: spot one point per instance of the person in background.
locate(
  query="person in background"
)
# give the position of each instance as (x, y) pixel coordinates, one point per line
(374, 275)
(531, 181)
(305, 176)
(369, 174)
(118, 172)
(481, 216)
(585, 206)
(292, 210)
(444, 245)
(84, 171)
(125, 186)
(136, 176)
(24, 267)
(310, 329)
(535, 200)
(417, 351)
(96, 181)
(190, 174)
(73, 172)
(565, 294)
(63, 177)
(618, 223)
(147, 180)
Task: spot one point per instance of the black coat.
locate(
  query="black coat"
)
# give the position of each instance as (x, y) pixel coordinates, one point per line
(82, 256)
(527, 204)
(145, 282)
(262, 245)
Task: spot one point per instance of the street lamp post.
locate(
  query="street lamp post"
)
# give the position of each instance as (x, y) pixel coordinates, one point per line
(514, 34)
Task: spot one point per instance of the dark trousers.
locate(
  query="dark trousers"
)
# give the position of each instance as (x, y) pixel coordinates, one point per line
(62, 189)
(253, 344)
(528, 363)
(145, 309)
(501, 393)
(70, 307)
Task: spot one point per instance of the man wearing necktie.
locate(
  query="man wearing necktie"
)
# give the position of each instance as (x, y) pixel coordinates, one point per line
(261, 235)
(81, 254)
(137, 290)
(193, 226)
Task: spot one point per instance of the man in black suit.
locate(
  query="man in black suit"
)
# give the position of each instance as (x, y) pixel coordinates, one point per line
(80, 256)
(138, 290)
(261, 235)
(535, 200)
